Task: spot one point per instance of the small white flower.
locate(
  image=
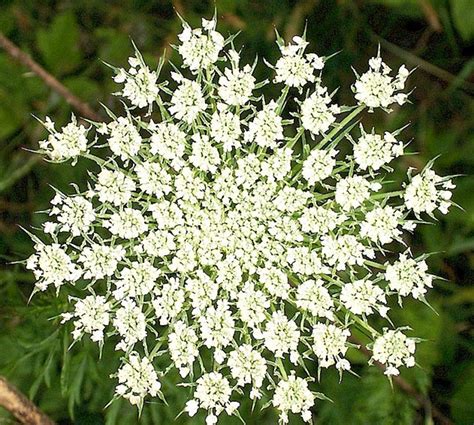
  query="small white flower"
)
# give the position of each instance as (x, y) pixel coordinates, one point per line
(363, 297)
(200, 49)
(247, 366)
(236, 85)
(394, 349)
(373, 151)
(187, 101)
(130, 323)
(266, 128)
(313, 297)
(319, 165)
(69, 143)
(183, 347)
(127, 223)
(407, 276)
(140, 86)
(293, 395)
(124, 139)
(204, 156)
(377, 89)
(351, 192)
(137, 379)
(92, 315)
(52, 265)
(428, 192)
(281, 335)
(381, 225)
(317, 115)
(114, 187)
(99, 260)
(225, 129)
(330, 345)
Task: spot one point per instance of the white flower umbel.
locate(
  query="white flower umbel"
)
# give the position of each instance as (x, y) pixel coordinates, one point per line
(69, 143)
(330, 345)
(394, 349)
(317, 114)
(372, 151)
(407, 276)
(428, 192)
(293, 395)
(140, 83)
(319, 165)
(237, 231)
(137, 378)
(91, 315)
(377, 89)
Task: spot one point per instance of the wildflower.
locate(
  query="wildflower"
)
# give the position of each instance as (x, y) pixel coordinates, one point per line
(319, 165)
(137, 379)
(266, 128)
(199, 47)
(293, 395)
(407, 276)
(351, 192)
(363, 297)
(377, 89)
(330, 345)
(373, 151)
(236, 85)
(92, 315)
(140, 83)
(51, 265)
(295, 69)
(187, 101)
(381, 225)
(317, 115)
(424, 195)
(67, 144)
(394, 349)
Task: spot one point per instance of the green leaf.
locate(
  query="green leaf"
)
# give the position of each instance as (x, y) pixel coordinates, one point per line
(463, 17)
(59, 45)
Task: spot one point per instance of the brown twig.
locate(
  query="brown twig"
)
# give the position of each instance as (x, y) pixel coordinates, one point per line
(407, 388)
(15, 52)
(20, 407)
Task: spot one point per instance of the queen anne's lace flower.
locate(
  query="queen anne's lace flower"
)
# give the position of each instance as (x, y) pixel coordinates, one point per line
(236, 230)
(67, 144)
(394, 349)
(247, 366)
(266, 128)
(137, 378)
(75, 214)
(200, 48)
(51, 265)
(140, 85)
(295, 69)
(330, 345)
(363, 297)
(293, 395)
(381, 225)
(319, 165)
(373, 151)
(351, 192)
(377, 89)
(317, 114)
(236, 85)
(407, 276)
(92, 315)
(427, 192)
(187, 101)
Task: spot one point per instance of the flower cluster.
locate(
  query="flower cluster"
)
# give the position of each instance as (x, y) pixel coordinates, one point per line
(227, 233)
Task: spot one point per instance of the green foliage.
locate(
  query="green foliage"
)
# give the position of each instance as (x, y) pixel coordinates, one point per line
(71, 38)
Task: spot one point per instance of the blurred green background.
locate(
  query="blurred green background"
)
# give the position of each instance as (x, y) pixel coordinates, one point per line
(70, 38)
